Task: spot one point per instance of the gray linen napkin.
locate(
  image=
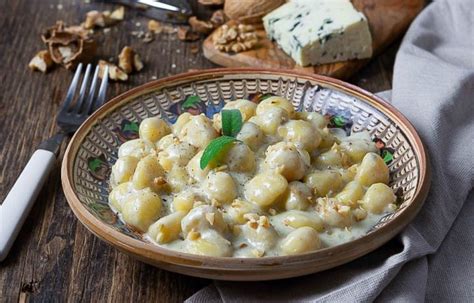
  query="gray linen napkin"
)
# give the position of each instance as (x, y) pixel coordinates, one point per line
(431, 259)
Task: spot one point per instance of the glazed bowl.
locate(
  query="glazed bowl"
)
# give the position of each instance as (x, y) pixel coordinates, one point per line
(93, 150)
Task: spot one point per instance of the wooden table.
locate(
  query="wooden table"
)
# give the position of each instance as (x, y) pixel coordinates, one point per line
(55, 258)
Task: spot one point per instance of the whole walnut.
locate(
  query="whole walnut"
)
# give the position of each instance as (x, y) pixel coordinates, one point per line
(250, 11)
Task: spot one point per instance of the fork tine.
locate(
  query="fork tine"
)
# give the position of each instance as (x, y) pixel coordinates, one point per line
(103, 89)
(82, 91)
(72, 88)
(90, 98)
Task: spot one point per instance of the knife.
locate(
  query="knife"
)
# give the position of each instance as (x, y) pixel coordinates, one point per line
(172, 11)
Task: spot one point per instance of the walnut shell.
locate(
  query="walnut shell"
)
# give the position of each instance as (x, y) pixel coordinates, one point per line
(250, 11)
(69, 45)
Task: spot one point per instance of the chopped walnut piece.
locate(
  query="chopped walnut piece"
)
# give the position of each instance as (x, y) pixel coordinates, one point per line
(94, 18)
(210, 217)
(169, 29)
(359, 214)
(118, 14)
(250, 216)
(41, 61)
(103, 19)
(69, 45)
(137, 62)
(211, 2)
(155, 26)
(204, 27)
(126, 59)
(148, 37)
(115, 73)
(129, 60)
(263, 221)
(159, 181)
(235, 38)
(193, 235)
(215, 203)
(186, 34)
(243, 245)
(217, 18)
(253, 224)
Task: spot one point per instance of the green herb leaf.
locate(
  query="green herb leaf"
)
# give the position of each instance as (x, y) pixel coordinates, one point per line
(132, 126)
(215, 149)
(94, 164)
(339, 121)
(387, 156)
(191, 101)
(231, 122)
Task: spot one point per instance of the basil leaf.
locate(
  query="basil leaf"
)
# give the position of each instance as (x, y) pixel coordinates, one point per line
(231, 122)
(215, 149)
(191, 101)
(132, 126)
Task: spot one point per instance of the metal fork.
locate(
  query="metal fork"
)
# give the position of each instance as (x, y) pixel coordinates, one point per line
(17, 204)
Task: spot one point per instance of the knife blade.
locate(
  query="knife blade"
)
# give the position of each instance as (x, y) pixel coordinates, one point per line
(176, 11)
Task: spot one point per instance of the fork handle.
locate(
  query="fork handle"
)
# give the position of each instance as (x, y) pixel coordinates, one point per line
(17, 204)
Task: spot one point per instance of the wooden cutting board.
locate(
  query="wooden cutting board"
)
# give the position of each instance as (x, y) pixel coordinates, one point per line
(388, 20)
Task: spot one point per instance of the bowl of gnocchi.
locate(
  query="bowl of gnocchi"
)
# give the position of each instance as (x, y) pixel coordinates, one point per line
(246, 174)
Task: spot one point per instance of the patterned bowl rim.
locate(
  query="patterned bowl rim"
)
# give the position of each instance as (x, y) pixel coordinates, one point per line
(150, 253)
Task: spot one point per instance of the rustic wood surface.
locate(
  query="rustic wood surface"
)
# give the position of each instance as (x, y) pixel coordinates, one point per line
(387, 19)
(55, 258)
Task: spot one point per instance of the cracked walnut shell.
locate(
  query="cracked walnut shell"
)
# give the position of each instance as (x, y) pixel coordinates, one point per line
(69, 45)
(235, 38)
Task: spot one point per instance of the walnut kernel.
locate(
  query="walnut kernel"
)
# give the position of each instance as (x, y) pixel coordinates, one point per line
(155, 26)
(41, 61)
(129, 60)
(115, 72)
(235, 38)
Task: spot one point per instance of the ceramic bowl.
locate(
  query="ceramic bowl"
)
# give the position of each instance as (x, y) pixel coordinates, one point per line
(93, 150)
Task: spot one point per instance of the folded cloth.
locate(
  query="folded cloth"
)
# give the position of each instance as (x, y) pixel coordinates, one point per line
(431, 259)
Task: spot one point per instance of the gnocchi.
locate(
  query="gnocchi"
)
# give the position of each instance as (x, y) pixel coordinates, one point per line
(288, 184)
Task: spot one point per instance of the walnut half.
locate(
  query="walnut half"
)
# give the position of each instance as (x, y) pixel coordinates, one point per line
(235, 38)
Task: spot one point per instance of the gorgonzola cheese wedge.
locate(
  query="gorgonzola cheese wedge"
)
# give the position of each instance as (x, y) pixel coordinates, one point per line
(316, 32)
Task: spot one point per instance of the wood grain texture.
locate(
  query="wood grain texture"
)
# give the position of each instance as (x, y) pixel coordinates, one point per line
(388, 20)
(55, 258)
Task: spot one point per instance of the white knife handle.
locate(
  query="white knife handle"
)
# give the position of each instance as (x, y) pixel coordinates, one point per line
(17, 204)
